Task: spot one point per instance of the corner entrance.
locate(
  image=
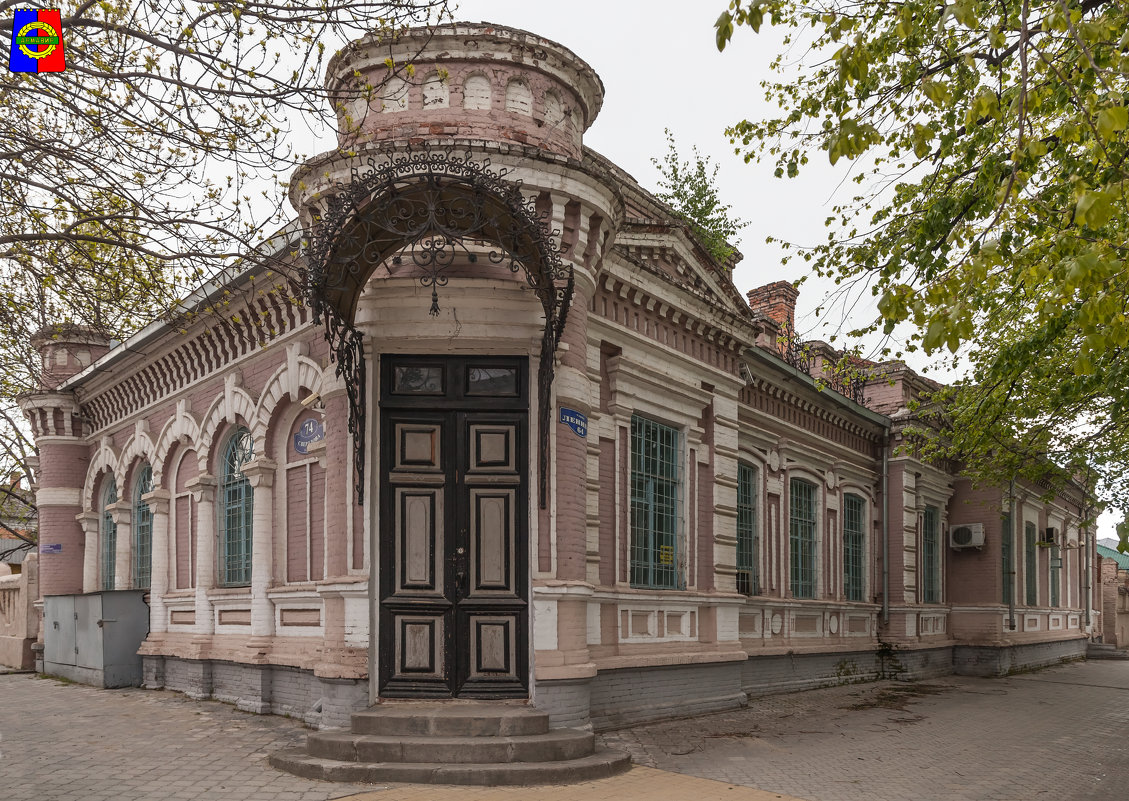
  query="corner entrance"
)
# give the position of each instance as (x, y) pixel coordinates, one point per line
(454, 527)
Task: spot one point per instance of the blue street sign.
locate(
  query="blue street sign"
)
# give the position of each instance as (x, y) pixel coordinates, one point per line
(576, 421)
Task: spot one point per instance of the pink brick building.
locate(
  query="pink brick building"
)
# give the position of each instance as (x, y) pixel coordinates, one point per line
(587, 478)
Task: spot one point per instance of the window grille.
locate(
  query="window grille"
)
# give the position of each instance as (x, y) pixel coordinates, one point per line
(748, 535)
(1056, 559)
(1006, 548)
(654, 505)
(236, 510)
(142, 551)
(1030, 564)
(109, 533)
(931, 556)
(801, 500)
(854, 549)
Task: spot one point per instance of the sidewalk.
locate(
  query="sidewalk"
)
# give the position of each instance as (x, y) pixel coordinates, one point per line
(1060, 734)
(69, 742)
(638, 784)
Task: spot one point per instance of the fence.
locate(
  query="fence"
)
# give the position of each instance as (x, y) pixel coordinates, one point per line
(18, 619)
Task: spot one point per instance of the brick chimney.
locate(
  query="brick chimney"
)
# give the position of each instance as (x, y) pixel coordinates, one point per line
(777, 302)
(66, 349)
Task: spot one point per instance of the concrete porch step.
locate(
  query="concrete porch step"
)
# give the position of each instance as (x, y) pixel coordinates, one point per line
(598, 765)
(450, 719)
(1097, 650)
(554, 746)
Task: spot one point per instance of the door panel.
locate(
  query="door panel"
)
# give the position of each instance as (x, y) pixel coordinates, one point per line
(492, 540)
(453, 533)
(419, 544)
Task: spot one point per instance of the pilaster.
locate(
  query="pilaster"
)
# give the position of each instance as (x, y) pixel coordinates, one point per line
(158, 501)
(203, 489)
(260, 473)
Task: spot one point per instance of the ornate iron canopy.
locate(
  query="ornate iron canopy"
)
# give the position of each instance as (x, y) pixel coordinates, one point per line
(432, 209)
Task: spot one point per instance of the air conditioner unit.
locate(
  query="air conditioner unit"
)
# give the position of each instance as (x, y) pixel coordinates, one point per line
(966, 535)
(1050, 535)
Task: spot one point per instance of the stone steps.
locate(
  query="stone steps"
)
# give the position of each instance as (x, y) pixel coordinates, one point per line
(1096, 650)
(454, 719)
(552, 746)
(598, 765)
(463, 742)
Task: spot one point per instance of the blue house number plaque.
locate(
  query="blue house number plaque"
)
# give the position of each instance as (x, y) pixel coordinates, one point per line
(576, 421)
(310, 432)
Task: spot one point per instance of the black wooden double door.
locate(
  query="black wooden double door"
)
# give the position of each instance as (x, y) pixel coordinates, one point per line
(454, 606)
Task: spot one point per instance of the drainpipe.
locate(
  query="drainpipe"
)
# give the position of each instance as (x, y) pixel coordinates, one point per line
(1011, 567)
(886, 530)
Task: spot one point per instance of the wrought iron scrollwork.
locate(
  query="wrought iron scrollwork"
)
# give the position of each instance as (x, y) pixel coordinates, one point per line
(844, 380)
(430, 209)
(794, 350)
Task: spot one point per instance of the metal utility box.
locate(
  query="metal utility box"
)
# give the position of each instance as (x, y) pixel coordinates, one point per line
(93, 638)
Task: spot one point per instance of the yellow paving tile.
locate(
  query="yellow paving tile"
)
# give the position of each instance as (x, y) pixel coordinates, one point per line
(637, 784)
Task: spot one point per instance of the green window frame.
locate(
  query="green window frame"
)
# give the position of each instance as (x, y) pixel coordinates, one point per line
(1056, 574)
(1007, 559)
(236, 511)
(655, 456)
(931, 555)
(1031, 563)
(141, 554)
(854, 547)
(801, 537)
(748, 532)
(109, 533)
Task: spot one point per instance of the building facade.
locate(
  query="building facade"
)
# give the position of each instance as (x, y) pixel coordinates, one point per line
(494, 458)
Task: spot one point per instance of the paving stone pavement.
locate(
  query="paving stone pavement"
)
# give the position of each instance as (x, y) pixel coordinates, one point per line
(1060, 734)
(68, 742)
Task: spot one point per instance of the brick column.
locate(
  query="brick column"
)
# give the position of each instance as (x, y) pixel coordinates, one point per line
(572, 389)
(260, 473)
(158, 501)
(59, 431)
(338, 486)
(203, 489)
(59, 478)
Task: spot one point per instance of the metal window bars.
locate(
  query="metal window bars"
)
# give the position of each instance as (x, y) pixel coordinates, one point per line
(801, 538)
(748, 540)
(854, 547)
(109, 534)
(1056, 562)
(655, 557)
(930, 556)
(237, 510)
(142, 551)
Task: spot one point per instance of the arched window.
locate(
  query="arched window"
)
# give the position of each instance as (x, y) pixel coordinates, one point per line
(109, 532)
(235, 511)
(476, 93)
(142, 550)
